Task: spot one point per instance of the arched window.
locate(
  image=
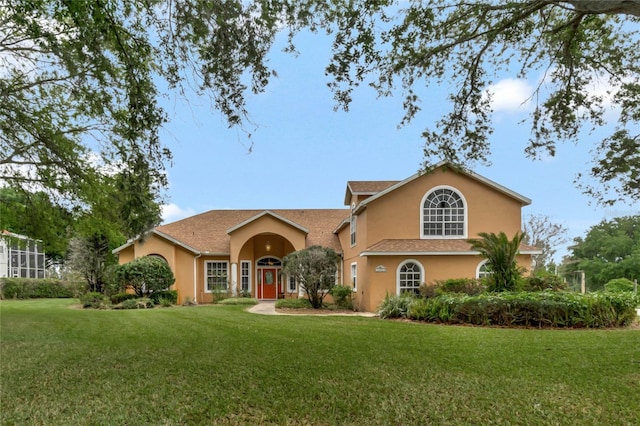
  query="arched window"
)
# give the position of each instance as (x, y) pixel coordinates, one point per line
(410, 277)
(443, 214)
(482, 271)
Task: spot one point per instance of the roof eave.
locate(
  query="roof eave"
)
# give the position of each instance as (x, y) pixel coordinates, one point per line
(419, 253)
(272, 214)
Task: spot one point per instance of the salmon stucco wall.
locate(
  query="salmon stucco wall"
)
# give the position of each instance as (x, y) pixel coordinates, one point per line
(396, 215)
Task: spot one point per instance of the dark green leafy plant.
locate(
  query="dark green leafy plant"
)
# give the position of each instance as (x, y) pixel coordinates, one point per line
(618, 285)
(28, 288)
(145, 275)
(342, 296)
(500, 253)
(543, 282)
(470, 286)
(94, 300)
(139, 303)
(170, 296)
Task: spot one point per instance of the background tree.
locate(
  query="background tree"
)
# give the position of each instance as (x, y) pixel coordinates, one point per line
(501, 254)
(611, 249)
(90, 256)
(36, 216)
(573, 48)
(314, 268)
(80, 80)
(542, 232)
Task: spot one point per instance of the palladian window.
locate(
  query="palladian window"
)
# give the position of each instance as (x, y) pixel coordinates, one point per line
(443, 214)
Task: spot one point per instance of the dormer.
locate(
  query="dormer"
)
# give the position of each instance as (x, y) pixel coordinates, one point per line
(359, 190)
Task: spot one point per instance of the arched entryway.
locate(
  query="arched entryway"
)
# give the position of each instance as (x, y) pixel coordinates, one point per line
(269, 281)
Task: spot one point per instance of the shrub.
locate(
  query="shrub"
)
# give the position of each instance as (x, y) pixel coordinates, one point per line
(427, 291)
(470, 286)
(139, 303)
(294, 303)
(145, 275)
(94, 300)
(539, 309)
(619, 285)
(395, 306)
(30, 288)
(239, 301)
(501, 254)
(121, 297)
(169, 295)
(543, 282)
(342, 296)
(165, 303)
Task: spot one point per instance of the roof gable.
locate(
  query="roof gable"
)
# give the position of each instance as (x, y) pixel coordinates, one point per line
(366, 187)
(448, 166)
(269, 213)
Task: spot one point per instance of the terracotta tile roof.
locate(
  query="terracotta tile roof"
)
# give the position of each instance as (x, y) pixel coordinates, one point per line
(435, 246)
(208, 231)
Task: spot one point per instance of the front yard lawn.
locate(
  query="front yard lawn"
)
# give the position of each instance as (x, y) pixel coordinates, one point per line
(222, 365)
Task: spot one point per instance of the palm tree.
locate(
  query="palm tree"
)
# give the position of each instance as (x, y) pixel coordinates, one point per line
(500, 253)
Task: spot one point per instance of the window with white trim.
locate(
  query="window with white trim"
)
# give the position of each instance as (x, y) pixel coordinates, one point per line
(482, 271)
(245, 276)
(216, 276)
(352, 229)
(443, 214)
(292, 286)
(354, 276)
(410, 277)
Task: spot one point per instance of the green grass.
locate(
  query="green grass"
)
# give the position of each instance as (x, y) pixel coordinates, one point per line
(222, 365)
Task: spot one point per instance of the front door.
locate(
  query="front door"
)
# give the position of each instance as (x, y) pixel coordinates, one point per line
(269, 284)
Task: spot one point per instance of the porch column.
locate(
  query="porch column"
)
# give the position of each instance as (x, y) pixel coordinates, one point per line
(234, 279)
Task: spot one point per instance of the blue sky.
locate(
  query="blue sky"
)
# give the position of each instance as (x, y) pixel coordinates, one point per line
(304, 152)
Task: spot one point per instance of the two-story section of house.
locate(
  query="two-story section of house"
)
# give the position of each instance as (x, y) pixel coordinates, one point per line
(402, 234)
(393, 237)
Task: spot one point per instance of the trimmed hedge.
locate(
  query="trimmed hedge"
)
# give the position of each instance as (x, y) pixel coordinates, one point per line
(30, 288)
(530, 309)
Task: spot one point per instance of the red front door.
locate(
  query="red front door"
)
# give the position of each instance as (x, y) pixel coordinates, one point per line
(269, 284)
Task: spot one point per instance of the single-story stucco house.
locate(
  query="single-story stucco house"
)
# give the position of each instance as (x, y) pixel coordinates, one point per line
(392, 237)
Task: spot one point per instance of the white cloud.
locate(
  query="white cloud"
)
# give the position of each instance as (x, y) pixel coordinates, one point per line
(510, 95)
(172, 212)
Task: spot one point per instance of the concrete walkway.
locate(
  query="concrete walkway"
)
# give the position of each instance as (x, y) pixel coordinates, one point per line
(269, 308)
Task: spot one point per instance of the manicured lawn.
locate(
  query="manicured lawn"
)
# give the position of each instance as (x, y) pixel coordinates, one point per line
(221, 365)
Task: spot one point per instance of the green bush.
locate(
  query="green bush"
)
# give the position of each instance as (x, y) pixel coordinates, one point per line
(169, 295)
(31, 288)
(618, 285)
(470, 286)
(239, 301)
(301, 303)
(531, 309)
(165, 303)
(145, 275)
(121, 297)
(342, 296)
(139, 303)
(543, 282)
(94, 300)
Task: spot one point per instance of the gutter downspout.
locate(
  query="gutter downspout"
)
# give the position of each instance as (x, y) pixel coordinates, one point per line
(195, 277)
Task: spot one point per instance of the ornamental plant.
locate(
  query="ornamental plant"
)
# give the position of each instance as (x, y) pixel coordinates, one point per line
(500, 253)
(145, 275)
